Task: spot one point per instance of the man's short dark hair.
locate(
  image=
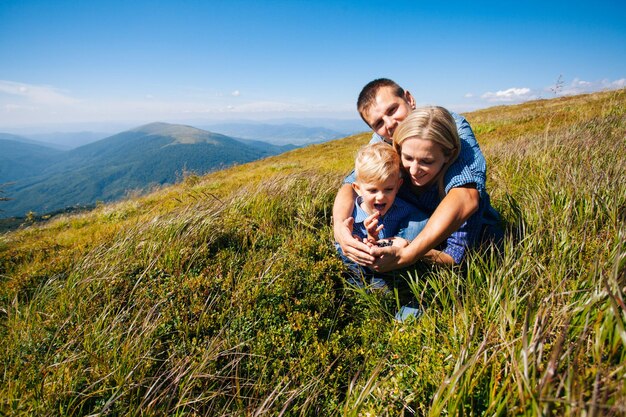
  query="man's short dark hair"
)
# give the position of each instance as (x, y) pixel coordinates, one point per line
(368, 93)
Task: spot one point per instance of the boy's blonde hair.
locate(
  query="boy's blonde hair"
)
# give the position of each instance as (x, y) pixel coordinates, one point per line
(376, 163)
(435, 124)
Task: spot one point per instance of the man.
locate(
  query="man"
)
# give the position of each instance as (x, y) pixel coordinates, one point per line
(383, 104)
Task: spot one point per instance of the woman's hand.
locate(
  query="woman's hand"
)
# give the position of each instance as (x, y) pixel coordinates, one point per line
(394, 257)
(387, 258)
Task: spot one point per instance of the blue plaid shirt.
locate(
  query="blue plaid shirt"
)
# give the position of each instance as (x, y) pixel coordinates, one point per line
(469, 168)
(396, 219)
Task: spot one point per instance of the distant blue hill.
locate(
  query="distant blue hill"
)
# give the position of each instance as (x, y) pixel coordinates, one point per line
(106, 170)
(68, 140)
(278, 134)
(21, 157)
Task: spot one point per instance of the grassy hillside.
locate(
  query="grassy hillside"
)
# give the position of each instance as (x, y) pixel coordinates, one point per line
(222, 295)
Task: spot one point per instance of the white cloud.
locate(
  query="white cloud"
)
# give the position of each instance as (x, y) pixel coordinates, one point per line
(621, 83)
(10, 107)
(578, 86)
(269, 107)
(516, 95)
(513, 94)
(235, 93)
(35, 94)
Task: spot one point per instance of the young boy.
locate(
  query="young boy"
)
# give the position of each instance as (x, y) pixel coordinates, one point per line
(380, 218)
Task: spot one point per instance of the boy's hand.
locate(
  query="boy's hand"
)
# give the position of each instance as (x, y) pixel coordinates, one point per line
(371, 224)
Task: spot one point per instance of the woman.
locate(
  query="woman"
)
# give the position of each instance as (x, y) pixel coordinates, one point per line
(428, 143)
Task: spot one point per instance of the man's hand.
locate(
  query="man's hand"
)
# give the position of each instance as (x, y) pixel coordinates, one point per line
(352, 247)
(343, 222)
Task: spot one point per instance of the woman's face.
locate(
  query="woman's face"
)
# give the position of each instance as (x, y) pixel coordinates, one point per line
(423, 160)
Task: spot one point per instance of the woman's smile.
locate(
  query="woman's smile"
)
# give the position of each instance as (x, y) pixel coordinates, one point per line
(416, 179)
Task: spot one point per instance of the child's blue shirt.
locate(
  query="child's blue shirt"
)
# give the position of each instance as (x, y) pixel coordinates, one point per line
(396, 220)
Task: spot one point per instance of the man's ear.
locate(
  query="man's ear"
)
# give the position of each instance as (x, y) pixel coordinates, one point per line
(400, 182)
(356, 188)
(409, 99)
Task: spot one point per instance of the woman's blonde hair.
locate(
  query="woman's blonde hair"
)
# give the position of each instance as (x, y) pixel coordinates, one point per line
(435, 124)
(376, 163)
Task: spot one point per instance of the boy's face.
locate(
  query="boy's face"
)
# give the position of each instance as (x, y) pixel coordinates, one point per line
(378, 195)
(387, 111)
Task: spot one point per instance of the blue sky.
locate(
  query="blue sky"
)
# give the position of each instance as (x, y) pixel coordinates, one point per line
(70, 64)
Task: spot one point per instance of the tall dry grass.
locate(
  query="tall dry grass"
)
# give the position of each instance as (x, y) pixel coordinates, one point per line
(223, 295)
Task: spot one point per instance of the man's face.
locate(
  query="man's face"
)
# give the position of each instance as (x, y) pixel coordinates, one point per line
(387, 111)
(378, 196)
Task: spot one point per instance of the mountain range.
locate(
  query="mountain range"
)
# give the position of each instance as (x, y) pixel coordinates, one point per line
(42, 179)
(282, 134)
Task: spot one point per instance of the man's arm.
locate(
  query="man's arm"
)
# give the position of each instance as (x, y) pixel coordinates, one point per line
(456, 207)
(353, 248)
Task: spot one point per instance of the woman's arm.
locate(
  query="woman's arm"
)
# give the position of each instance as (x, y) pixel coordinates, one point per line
(456, 207)
(454, 210)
